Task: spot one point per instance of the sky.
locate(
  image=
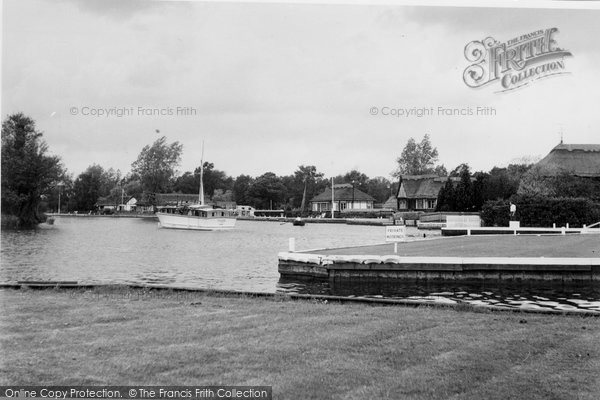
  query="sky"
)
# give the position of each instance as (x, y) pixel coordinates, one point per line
(271, 86)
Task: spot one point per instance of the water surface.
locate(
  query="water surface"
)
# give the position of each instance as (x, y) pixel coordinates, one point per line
(136, 250)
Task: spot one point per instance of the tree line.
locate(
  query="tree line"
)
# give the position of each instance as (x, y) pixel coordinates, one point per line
(34, 181)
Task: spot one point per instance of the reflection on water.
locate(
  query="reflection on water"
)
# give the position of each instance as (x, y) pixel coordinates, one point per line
(538, 295)
(124, 250)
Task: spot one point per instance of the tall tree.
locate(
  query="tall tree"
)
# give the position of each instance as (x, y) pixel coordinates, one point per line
(446, 197)
(241, 188)
(464, 190)
(308, 175)
(27, 171)
(213, 179)
(267, 191)
(91, 184)
(380, 188)
(156, 165)
(418, 158)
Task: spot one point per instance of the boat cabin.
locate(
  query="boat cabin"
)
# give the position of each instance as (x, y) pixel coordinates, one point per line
(194, 211)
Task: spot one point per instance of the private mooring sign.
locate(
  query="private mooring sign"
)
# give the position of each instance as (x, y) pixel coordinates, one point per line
(395, 233)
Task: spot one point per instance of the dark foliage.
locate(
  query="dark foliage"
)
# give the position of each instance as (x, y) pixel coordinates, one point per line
(541, 211)
(28, 173)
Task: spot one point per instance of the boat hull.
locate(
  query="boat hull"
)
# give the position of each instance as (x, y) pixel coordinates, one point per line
(195, 223)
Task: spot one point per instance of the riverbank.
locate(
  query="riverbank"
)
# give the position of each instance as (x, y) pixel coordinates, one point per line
(304, 349)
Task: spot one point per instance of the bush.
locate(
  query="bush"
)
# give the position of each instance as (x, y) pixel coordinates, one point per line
(410, 215)
(542, 211)
(495, 213)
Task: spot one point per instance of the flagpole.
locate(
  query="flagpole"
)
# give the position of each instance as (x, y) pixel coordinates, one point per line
(201, 192)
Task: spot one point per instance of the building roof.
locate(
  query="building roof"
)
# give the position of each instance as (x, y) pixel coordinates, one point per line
(391, 203)
(422, 186)
(579, 159)
(343, 192)
(106, 201)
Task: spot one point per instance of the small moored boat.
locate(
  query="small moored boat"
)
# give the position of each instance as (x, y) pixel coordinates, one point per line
(298, 222)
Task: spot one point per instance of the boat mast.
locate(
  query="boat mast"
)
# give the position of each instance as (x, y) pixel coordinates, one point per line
(201, 193)
(332, 199)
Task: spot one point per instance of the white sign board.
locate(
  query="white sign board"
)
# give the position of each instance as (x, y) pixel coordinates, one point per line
(395, 233)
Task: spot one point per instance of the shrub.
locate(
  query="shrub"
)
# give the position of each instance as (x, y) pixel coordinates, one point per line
(495, 213)
(542, 211)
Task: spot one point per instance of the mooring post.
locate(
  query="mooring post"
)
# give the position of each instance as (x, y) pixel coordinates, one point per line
(567, 225)
(292, 245)
(395, 247)
(562, 230)
(554, 225)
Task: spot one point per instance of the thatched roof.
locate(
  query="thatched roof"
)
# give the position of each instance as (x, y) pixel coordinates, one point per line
(578, 159)
(422, 186)
(343, 192)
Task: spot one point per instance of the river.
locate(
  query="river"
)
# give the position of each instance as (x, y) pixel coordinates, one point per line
(135, 250)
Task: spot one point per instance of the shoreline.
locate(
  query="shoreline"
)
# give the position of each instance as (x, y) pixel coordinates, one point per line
(82, 287)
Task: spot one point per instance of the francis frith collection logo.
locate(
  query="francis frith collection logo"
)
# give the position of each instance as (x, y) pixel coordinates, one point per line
(515, 63)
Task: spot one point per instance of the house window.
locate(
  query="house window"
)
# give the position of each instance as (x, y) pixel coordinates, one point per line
(431, 203)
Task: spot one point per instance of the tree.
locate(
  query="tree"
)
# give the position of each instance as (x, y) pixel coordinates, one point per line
(463, 194)
(156, 165)
(446, 197)
(380, 188)
(267, 191)
(241, 188)
(213, 179)
(308, 175)
(64, 188)
(502, 183)
(27, 171)
(541, 180)
(418, 159)
(91, 184)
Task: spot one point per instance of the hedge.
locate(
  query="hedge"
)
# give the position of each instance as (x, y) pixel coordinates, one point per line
(542, 211)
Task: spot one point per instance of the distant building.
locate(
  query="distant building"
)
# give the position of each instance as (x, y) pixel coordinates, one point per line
(391, 203)
(129, 205)
(420, 192)
(244, 211)
(346, 198)
(581, 160)
(107, 203)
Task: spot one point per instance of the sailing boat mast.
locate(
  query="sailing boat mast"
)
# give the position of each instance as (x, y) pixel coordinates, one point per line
(201, 192)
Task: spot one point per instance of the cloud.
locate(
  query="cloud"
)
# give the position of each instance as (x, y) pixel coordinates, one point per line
(278, 85)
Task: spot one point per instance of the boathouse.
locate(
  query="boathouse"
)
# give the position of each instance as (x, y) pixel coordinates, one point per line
(582, 160)
(346, 197)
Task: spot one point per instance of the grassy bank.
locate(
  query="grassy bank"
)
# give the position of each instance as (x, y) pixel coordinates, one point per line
(587, 246)
(304, 349)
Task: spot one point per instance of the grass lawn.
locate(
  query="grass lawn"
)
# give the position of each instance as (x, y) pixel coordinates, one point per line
(304, 349)
(587, 246)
